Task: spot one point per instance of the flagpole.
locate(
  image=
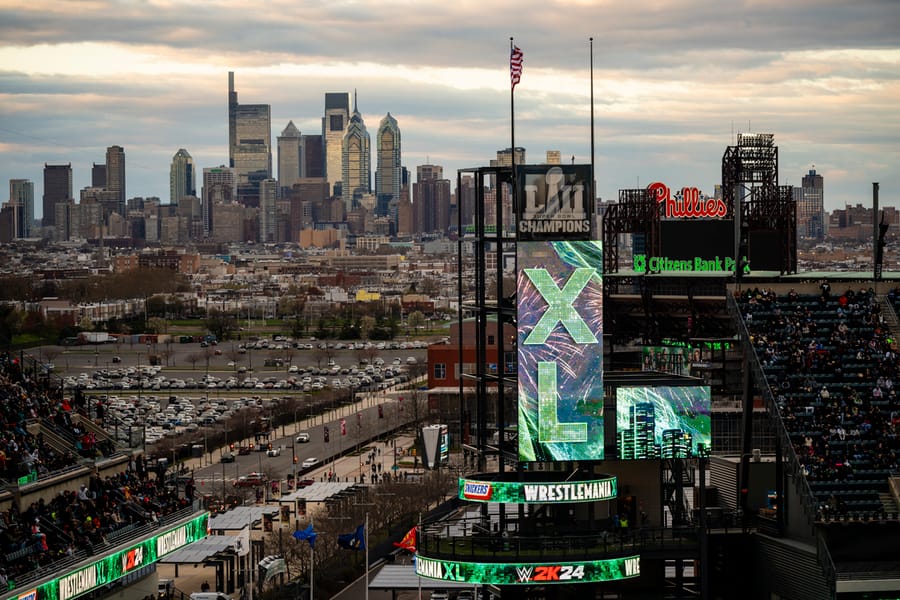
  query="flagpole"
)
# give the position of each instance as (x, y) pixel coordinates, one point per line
(593, 176)
(366, 542)
(312, 566)
(512, 130)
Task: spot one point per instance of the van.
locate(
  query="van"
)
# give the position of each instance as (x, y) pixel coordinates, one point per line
(210, 596)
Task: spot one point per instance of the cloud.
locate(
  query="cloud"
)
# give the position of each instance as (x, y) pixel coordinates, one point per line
(672, 80)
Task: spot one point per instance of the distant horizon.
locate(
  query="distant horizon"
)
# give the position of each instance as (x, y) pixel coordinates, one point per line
(673, 84)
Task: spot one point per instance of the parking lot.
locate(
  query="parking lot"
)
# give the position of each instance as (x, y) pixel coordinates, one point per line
(167, 400)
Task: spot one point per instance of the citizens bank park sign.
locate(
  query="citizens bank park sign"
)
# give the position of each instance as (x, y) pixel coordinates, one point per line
(555, 202)
(543, 493)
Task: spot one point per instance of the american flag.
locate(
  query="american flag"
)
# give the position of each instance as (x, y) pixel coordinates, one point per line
(515, 66)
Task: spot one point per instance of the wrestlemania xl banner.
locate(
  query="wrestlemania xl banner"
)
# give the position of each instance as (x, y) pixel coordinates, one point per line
(560, 316)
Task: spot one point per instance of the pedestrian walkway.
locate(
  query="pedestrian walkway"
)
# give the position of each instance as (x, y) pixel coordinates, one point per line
(190, 578)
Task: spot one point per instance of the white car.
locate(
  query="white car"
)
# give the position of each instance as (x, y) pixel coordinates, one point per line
(310, 462)
(303, 438)
(273, 452)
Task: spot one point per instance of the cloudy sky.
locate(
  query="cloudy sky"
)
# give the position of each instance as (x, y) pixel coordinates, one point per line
(673, 81)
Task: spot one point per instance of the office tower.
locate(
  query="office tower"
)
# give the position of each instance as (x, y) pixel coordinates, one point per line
(57, 188)
(290, 156)
(219, 188)
(250, 142)
(356, 178)
(431, 200)
(98, 175)
(268, 211)
(334, 125)
(465, 200)
(389, 171)
(21, 192)
(810, 200)
(504, 157)
(311, 150)
(115, 174)
(182, 177)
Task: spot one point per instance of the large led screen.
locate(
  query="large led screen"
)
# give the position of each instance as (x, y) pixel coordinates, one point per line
(663, 422)
(560, 335)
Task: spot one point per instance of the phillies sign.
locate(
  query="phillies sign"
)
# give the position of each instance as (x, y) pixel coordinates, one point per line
(691, 205)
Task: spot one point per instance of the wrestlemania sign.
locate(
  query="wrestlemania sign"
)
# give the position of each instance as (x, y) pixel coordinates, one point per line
(555, 202)
(517, 492)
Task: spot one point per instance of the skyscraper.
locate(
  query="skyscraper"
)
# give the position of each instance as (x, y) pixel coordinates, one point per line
(21, 192)
(334, 125)
(810, 200)
(182, 178)
(356, 161)
(219, 187)
(290, 156)
(57, 188)
(250, 140)
(313, 156)
(268, 211)
(431, 200)
(388, 173)
(115, 174)
(98, 175)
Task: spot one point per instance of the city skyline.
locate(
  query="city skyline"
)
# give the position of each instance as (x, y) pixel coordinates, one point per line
(672, 83)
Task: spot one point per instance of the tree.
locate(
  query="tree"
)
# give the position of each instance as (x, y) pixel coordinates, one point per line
(366, 325)
(193, 358)
(220, 324)
(415, 320)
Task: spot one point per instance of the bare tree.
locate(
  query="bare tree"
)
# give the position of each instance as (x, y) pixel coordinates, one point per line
(193, 358)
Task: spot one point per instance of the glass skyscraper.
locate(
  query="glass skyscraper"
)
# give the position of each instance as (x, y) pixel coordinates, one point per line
(389, 171)
(250, 139)
(21, 192)
(182, 177)
(57, 188)
(334, 125)
(356, 178)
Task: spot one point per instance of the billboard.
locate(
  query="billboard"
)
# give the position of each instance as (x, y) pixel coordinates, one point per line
(555, 202)
(529, 573)
(663, 422)
(560, 334)
(542, 492)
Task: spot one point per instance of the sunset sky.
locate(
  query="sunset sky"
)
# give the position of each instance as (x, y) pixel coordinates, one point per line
(673, 81)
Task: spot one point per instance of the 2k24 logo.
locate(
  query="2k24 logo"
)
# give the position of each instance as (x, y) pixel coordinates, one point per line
(550, 573)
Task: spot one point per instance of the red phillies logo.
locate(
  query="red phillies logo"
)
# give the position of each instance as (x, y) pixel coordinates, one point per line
(690, 205)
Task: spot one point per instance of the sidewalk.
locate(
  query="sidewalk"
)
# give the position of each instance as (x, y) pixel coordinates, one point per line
(190, 578)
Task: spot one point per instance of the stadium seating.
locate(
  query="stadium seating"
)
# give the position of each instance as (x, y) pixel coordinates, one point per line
(831, 365)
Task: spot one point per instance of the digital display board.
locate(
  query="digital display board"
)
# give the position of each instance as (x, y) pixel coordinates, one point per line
(555, 202)
(589, 571)
(121, 563)
(663, 422)
(560, 350)
(666, 359)
(690, 239)
(544, 492)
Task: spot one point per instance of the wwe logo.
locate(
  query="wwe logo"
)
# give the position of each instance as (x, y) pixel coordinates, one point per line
(524, 573)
